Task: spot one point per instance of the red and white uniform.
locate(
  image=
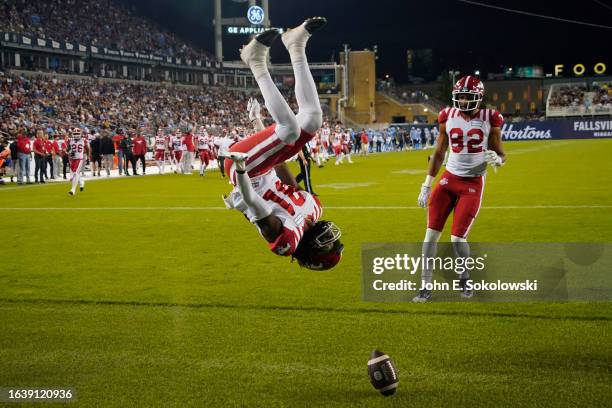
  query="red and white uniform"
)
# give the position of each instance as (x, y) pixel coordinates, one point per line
(160, 147)
(337, 139)
(462, 184)
(346, 142)
(265, 150)
(77, 149)
(204, 148)
(325, 133)
(293, 207)
(315, 143)
(177, 147)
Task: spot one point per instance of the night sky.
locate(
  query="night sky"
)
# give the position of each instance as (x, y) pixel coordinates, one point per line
(462, 36)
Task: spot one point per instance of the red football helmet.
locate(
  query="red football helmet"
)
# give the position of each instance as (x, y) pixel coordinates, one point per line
(468, 93)
(76, 132)
(320, 247)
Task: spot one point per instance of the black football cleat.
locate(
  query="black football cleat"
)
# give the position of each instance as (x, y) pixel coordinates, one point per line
(267, 37)
(314, 23)
(423, 296)
(465, 293)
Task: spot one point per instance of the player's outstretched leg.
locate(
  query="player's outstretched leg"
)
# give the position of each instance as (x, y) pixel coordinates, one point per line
(255, 55)
(310, 115)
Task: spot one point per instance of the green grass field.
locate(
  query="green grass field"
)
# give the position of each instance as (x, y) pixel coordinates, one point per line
(147, 292)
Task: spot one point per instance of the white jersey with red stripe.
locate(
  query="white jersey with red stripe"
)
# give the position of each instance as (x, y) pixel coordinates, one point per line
(77, 147)
(325, 133)
(203, 142)
(293, 207)
(160, 143)
(468, 139)
(346, 138)
(337, 139)
(176, 143)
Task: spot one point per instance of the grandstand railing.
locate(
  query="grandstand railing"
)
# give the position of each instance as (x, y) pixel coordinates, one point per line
(20, 41)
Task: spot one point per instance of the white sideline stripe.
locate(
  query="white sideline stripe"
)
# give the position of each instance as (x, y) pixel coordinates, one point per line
(384, 208)
(378, 359)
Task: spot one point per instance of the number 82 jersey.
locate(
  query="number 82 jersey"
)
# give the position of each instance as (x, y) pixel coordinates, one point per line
(468, 139)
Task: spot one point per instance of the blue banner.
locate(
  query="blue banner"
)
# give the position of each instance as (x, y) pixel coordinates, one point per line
(558, 129)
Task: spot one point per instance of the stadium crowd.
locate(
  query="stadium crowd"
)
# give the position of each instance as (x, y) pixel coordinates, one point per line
(568, 95)
(99, 23)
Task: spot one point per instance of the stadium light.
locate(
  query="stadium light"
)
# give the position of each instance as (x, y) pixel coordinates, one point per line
(477, 72)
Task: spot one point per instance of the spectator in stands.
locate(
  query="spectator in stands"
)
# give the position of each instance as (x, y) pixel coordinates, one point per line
(99, 23)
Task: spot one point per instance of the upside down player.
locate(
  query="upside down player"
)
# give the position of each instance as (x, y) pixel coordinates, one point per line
(265, 190)
(474, 136)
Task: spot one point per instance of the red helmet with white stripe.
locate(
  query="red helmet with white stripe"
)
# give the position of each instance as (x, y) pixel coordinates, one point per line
(468, 93)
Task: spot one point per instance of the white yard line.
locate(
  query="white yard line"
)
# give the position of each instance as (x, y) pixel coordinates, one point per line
(340, 208)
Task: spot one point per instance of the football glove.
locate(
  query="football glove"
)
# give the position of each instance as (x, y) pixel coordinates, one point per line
(254, 109)
(424, 196)
(493, 159)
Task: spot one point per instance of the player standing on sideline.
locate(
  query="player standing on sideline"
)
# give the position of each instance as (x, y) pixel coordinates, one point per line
(177, 149)
(203, 149)
(78, 148)
(337, 139)
(325, 135)
(161, 146)
(265, 190)
(347, 145)
(188, 150)
(474, 136)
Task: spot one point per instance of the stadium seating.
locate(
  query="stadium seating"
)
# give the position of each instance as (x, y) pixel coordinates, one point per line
(103, 24)
(54, 102)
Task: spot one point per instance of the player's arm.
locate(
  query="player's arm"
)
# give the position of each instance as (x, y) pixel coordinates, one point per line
(495, 155)
(285, 176)
(254, 110)
(435, 163)
(271, 227)
(437, 158)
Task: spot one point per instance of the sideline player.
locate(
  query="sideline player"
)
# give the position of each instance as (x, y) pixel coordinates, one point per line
(78, 148)
(161, 147)
(265, 191)
(474, 137)
(204, 149)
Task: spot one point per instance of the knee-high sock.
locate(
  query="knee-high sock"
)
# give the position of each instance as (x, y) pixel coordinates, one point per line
(462, 250)
(310, 115)
(430, 248)
(75, 180)
(287, 127)
(258, 206)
